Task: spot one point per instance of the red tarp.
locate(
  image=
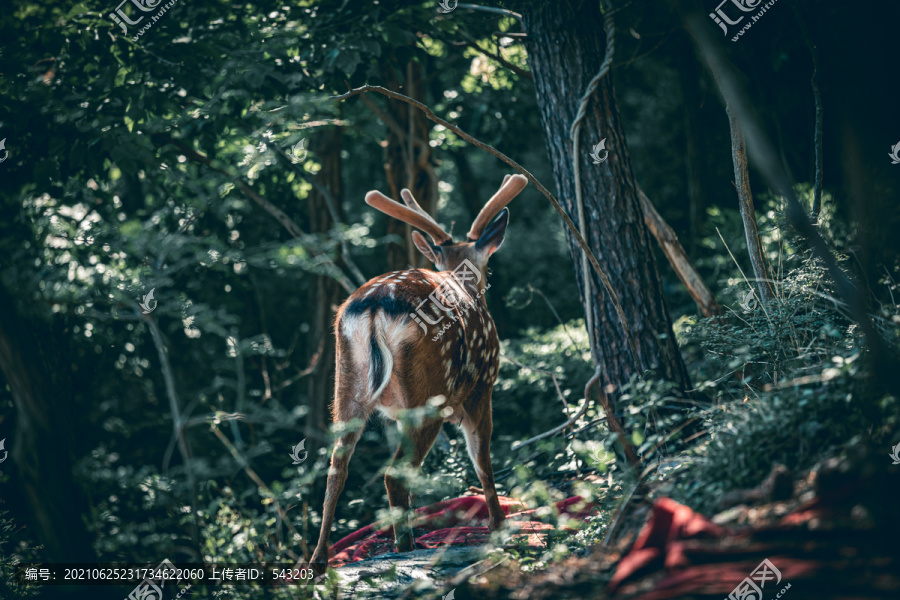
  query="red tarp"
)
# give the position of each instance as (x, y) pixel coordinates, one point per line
(458, 522)
(688, 548)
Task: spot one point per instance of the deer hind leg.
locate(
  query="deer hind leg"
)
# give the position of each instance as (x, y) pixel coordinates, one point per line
(337, 477)
(415, 445)
(477, 430)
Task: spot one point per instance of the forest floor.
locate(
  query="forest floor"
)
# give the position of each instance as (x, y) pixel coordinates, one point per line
(829, 532)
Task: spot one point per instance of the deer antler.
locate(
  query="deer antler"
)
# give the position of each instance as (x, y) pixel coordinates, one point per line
(509, 189)
(414, 215)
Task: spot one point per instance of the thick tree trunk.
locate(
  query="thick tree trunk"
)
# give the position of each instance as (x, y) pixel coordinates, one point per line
(325, 294)
(748, 213)
(32, 357)
(566, 48)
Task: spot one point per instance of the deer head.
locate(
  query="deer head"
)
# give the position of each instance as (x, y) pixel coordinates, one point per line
(483, 239)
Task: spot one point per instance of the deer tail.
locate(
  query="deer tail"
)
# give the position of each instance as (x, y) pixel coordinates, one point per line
(381, 359)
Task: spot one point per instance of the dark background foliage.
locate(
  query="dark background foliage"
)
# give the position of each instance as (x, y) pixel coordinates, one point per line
(127, 170)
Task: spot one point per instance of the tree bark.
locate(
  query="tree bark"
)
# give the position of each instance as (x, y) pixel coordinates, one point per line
(565, 49)
(748, 214)
(33, 357)
(674, 251)
(325, 294)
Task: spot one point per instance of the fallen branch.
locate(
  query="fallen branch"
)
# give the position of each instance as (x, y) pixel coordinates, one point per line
(674, 251)
(543, 190)
(613, 423)
(611, 420)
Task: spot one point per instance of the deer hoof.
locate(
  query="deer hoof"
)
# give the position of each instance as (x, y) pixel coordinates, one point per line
(318, 565)
(405, 544)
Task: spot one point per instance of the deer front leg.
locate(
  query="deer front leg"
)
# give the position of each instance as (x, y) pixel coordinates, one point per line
(337, 476)
(478, 444)
(415, 444)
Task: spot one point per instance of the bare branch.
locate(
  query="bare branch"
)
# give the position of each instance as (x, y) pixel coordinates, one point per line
(491, 9)
(472, 43)
(748, 212)
(677, 256)
(177, 424)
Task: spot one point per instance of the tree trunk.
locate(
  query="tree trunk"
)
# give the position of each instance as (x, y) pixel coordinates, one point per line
(469, 191)
(325, 294)
(689, 80)
(748, 213)
(566, 48)
(33, 359)
(408, 161)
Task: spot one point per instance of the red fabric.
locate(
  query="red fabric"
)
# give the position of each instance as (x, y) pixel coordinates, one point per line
(458, 522)
(688, 548)
(661, 541)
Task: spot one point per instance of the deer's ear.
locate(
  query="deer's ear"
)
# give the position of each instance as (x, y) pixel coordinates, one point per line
(492, 238)
(429, 251)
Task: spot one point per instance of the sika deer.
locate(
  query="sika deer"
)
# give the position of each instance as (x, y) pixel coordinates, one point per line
(389, 359)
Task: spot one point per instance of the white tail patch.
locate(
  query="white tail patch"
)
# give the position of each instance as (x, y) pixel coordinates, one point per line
(363, 331)
(390, 334)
